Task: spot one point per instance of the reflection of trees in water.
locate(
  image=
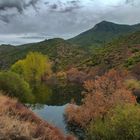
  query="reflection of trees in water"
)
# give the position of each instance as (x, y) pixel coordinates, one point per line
(42, 93)
(57, 94)
(74, 129)
(36, 106)
(63, 94)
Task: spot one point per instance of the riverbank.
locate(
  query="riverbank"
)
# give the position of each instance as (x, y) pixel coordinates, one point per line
(18, 122)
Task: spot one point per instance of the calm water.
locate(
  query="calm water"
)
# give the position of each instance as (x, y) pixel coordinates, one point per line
(53, 109)
(55, 116)
(52, 114)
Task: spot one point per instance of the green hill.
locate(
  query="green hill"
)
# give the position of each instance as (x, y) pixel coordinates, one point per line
(62, 53)
(122, 52)
(102, 33)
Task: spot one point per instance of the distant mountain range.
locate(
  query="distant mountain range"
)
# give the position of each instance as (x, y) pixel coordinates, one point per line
(102, 33)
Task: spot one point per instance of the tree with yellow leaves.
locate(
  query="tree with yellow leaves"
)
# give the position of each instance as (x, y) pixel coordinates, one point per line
(33, 67)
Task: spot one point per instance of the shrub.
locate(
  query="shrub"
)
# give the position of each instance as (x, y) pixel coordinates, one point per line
(132, 61)
(17, 122)
(122, 123)
(102, 95)
(132, 84)
(33, 67)
(14, 86)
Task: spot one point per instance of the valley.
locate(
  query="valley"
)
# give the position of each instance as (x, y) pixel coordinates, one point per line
(76, 84)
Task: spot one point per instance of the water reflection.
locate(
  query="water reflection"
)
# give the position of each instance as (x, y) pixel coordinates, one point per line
(75, 130)
(57, 94)
(51, 102)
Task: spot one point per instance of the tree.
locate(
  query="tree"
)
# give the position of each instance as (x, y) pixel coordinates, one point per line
(15, 86)
(33, 67)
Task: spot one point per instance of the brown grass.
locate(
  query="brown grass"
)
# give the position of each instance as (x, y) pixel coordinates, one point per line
(19, 123)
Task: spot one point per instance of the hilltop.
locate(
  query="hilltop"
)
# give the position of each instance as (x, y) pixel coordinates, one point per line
(123, 52)
(102, 33)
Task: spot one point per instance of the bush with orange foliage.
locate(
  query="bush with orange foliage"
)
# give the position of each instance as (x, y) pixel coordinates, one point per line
(18, 122)
(74, 75)
(103, 93)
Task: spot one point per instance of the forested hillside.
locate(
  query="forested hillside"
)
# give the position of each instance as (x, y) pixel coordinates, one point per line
(103, 33)
(62, 53)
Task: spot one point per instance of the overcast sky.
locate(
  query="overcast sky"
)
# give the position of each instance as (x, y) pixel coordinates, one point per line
(24, 21)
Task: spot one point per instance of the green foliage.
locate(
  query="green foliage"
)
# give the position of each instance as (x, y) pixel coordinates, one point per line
(103, 33)
(117, 53)
(62, 53)
(131, 61)
(122, 123)
(132, 84)
(42, 93)
(134, 50)
(33, 67)
(13, 85)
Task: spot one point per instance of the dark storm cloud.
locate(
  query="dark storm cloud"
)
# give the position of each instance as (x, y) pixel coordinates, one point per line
(20, 5)
(64, 7)
(7, 6)
(6, 17)
(53, 6)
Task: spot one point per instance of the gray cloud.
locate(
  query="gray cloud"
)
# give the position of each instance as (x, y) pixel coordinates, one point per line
(6, 17)
(132, 2)
(129, 1)
(20, 23)
(20, 5)
(64, 7)
(12, 5)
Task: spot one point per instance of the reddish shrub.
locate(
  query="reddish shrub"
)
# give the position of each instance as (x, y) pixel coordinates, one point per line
(15, 116)
(102, 94)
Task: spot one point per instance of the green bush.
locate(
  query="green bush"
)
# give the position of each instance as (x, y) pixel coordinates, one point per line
(131, 61)
(123, 123)
(132, 84)
(42, 93)
(33, 67)
(14, 86)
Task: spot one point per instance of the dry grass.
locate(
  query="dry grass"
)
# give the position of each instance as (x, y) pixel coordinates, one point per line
(19, 123)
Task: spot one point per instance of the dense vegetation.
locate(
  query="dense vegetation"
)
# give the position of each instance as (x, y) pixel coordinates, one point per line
(102, 33)
(107, 107)
(119, 124)
(19, 123)
(60, 52)
(100, 82)
(15, 86)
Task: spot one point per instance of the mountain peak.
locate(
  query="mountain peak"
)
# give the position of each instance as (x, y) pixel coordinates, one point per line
(104, 22)
(104, 26)
(102, 32)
